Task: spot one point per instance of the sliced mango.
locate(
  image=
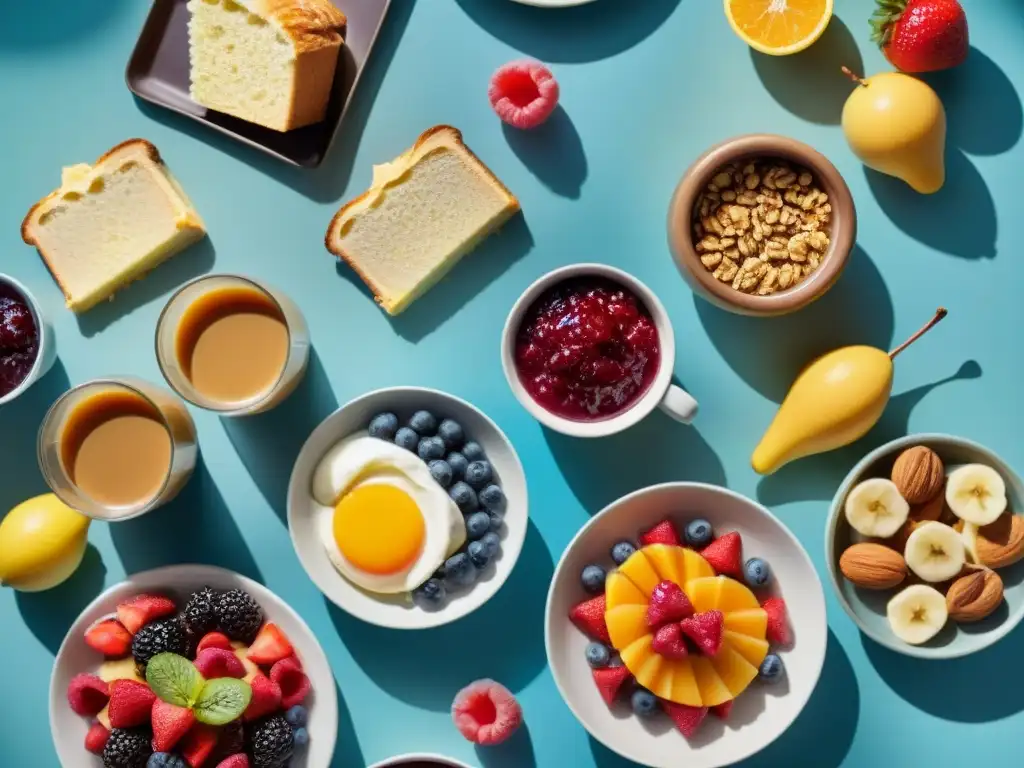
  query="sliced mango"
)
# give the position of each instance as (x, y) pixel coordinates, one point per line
(656, 676)
(753, 622)
(704, 592)
(712, 690)
(736, 597)
(104, 717)
(667, 561)
(120, 669)
(626, 624)
(619, 590)
(750, 648)
(640, 571)
(695, 566)
(684, 684)
(734, 670)
(636, 654)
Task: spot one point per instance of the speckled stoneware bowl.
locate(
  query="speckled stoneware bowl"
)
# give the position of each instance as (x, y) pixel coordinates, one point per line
(867, 607)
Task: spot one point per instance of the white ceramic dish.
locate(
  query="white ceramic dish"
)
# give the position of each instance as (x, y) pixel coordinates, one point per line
(397, 612)
(762, 713)
(178, 581)
(553, 3)
(662, 393)
(419, 760)
(47, 344)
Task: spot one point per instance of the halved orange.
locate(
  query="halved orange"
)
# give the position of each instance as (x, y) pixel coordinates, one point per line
(779, 27)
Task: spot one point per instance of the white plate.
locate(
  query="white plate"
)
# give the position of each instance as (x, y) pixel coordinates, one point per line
(656, 742)
(553, 3)
(396, 612)
(178, 581)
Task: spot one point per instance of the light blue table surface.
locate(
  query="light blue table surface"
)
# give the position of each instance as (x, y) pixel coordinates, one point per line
(646, 86)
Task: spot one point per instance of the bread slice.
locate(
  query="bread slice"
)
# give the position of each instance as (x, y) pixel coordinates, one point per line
(424, 211)
(270, 62)
(111, 223)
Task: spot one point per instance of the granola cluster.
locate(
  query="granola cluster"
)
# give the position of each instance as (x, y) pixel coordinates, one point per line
(762, 227)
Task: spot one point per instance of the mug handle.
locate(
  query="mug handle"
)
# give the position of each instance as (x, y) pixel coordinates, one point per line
(678, 404)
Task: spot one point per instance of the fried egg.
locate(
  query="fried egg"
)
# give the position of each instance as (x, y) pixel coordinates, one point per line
(385, 522)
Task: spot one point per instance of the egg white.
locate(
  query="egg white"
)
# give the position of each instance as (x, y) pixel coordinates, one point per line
(363, 460)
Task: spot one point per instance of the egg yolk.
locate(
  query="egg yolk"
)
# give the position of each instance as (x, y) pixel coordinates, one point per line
(379, 528)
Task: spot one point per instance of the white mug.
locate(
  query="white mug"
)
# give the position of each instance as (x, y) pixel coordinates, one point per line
(662, 393)
(419, 757)
(47, 343)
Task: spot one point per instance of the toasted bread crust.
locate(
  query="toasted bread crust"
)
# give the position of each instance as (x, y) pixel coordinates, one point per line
(311, 24)
(334, 247)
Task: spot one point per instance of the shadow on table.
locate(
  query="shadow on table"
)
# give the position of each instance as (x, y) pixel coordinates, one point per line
(768, 353)
(347, 753)
(427, 668)
(817, 478)
(553, 152)
(811, 84)
(657, 450)
(517, 752)
(50, 614)
(269, 443)
(51, 23)
(196, 527)
(587, 33)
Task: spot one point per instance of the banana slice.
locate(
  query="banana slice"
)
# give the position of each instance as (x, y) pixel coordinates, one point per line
(935, 552)
(976, 494)
(876, 508)
(917, 614)
(969, 536)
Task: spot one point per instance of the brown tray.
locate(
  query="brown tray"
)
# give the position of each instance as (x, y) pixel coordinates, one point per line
(158, 72)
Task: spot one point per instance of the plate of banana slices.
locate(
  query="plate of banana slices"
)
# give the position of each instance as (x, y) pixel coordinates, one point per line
(925, 546)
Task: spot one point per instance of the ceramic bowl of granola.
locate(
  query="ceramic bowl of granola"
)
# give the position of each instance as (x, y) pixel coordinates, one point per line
(762, 225)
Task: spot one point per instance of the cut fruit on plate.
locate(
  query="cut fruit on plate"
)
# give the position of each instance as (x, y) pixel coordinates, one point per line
(779, 27)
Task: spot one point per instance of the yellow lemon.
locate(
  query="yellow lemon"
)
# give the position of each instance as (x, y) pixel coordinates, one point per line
(779, 27)
(42, 542)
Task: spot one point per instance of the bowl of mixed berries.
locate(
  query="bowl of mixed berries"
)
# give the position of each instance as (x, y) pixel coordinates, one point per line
(191, 667)
(685, 625)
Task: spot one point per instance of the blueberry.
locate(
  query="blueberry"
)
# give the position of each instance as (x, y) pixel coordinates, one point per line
(479, 554)
(593, 577)
(772, 670)
(384, 426)
(439, 573)
(493, 499)
(698, 533)
(464, 498)
(451, 432)
(430, 448)
(643, 702)
(441, 472)
(459, 570)
(296, 716)
(757, 572)
(430, 592)
(165, 760)
(424, 422)
(479, 474)
(496, 521)
(598, 655)
(477, 525)
(473, 451)
(622, 551)
(407, 438)
(492, 541)
(300, 737)
(458, 463)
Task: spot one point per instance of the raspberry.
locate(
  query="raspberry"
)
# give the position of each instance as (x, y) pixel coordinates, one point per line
(216, 662)
(486, 712)
(87, 694)
(523, 93)
(295, 686)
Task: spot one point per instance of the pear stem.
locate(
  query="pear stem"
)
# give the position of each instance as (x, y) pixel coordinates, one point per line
(940, 313)
(856, 78)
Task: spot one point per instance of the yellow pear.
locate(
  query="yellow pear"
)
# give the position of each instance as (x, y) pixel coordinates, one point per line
(42, 542)
(896, 124)
(834, 401)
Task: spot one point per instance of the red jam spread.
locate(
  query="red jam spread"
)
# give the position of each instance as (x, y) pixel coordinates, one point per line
(587, 349)
(19, 339)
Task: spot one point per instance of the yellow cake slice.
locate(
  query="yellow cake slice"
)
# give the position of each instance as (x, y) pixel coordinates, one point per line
(111, 223)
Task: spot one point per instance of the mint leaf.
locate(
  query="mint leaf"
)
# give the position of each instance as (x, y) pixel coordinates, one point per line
(174, 679)
(222, 700)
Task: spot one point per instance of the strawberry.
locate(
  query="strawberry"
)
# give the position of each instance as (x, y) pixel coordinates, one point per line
(96, 738)
(240, 760)
(722, 710)
(141, 610)
(725, 555)
(198, 744)
(266, 698)
(295, 686)
(687, 719)
(778, 622)
(669, 642)
(705, 629)
(668, 603)
(662, 533)
(609, 680)
(589, 617)
(109, 638)
(170, 724)
(214, 640)
(130, 703)
(921, 35)
(270, 646)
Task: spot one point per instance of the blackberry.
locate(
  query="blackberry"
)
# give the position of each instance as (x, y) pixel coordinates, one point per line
(201, 611)
(128, 748)
(271, 742)
(161, 636)
(239, 615)
(230, 741)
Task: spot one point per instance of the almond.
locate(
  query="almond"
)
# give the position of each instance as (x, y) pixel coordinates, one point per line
(975, 596)
(873, 566)
(919, 474)
(1001, 543)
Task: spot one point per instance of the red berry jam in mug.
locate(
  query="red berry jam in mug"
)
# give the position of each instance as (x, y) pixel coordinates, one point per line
(19, 339)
